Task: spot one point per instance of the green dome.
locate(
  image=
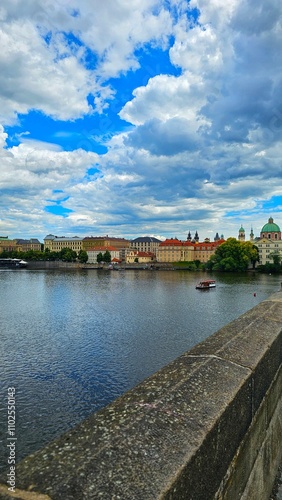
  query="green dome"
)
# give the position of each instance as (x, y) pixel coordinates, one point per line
(270, 227)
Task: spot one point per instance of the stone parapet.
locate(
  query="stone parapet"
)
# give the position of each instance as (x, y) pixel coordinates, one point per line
(206, 426)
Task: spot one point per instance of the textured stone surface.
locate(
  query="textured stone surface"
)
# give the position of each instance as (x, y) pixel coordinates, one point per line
(175, 435)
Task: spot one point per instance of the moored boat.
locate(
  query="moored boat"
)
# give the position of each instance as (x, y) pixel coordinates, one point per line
(206, 284)
(13, 263)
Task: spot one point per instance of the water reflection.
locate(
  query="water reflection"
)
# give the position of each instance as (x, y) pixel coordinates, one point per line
(73, 341)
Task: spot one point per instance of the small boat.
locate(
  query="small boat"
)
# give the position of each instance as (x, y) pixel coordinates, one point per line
(206, 285)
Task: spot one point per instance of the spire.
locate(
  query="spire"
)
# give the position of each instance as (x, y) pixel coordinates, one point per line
(196, 237)
(189, 237)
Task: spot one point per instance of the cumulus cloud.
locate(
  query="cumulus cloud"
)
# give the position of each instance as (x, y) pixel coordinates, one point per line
(43, 68)
(198, 141)
(163, 138)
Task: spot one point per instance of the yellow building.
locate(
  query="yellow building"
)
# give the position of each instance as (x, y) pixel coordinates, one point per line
(104, 241)
(57, 243)
(170, 250)
(19, 245)
(7, 245)
(174, 250)
(203, 251)
(26, 245)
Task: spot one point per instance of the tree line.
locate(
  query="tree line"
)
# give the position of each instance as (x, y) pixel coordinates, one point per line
(66, 255)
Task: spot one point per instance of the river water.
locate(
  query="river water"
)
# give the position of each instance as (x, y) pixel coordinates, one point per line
(72, 341)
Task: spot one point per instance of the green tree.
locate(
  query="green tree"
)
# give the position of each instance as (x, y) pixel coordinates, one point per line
(100, 257)
(68, 255)
(233, 256)
(107, 256)
(252, 251)
(83, 256)
(276, 257)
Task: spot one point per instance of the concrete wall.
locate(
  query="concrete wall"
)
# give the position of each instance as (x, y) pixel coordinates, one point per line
(206, 426)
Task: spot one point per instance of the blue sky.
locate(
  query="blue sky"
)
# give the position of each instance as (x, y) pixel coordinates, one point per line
(149, 117)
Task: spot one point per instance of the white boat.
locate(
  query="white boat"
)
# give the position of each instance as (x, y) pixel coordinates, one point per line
(206, 284)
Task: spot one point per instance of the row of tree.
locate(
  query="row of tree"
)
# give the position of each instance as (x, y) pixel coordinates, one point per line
(66, 255)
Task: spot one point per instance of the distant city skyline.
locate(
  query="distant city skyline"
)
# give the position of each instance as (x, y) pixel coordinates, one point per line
(200, 237)
(140, 118)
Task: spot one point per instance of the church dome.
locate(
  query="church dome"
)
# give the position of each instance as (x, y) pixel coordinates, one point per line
(270, 227)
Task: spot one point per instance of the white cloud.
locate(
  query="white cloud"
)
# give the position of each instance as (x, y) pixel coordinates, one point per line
(42, 68)
(31, 77)
(166, 97)
(201, 145)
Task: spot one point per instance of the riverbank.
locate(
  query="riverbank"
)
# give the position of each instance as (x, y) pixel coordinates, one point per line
(45, 265)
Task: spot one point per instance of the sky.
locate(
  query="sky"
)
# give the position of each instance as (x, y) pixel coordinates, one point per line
(148, 117)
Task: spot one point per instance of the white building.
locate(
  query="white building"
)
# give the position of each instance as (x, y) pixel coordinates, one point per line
(93, 252)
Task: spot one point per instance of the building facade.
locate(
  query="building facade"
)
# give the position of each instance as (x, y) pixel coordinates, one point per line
(57, 243)
(7, 245)
(269, 243)
(203, 251)
(90, 242)
(26, 245)
(19, 245)
(146, 244)
(133, 256)
(174, 250)
(94, 252)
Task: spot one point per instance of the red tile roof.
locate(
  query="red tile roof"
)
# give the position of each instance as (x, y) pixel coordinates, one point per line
(171, 242)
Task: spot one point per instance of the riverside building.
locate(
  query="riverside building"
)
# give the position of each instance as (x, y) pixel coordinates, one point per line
(57, 243)
(146, 244)
(269, 242)
(19, 245)
(175, 250)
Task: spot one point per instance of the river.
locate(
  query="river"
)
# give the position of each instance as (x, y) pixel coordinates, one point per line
(72, 341)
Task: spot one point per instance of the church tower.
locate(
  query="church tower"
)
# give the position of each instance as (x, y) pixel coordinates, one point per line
(241, 236)
(252, 235)
(196, 237)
